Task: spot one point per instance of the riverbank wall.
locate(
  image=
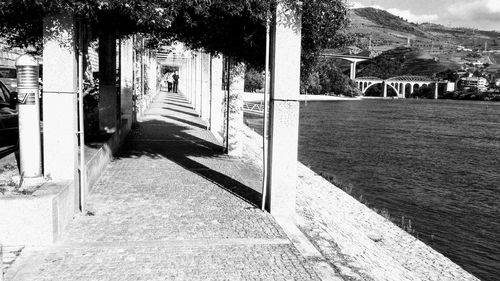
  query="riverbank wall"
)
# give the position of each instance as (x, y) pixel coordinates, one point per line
(357, 242)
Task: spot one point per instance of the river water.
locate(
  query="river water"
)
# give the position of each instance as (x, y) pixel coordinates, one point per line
(437, 163)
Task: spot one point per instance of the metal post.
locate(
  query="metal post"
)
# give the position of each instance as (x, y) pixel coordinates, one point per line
(29, 117)
(81, 131)
(265, 121)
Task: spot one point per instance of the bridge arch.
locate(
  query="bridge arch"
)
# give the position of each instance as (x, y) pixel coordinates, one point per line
(382, 83)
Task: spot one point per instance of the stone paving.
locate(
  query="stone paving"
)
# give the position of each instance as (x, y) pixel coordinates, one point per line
(171, 206)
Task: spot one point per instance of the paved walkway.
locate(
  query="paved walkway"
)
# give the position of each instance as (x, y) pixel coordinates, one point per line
(171, 207)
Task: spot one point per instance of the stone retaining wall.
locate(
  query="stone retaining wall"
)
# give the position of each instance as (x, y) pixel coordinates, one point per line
(357, 242)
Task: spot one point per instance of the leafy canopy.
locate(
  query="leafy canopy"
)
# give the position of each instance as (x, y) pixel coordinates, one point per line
(232, 27)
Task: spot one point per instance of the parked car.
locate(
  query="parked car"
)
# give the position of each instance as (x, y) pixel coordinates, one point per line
(9, 123)
(8, 75)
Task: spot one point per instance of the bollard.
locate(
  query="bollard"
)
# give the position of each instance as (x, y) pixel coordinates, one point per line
(29, 117)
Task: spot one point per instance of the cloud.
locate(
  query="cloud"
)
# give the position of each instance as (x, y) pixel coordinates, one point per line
(411, 17)
(355, 5)
(476, 10)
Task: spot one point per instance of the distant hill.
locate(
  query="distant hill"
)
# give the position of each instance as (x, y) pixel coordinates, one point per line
(419, 49)
(386, 29)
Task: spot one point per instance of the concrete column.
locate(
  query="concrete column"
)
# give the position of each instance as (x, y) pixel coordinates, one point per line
(385, 89)
(411, 88)
(235, 115)
(193, 83)
(403, 91)
(284, 112)
(217, 99)
(205, 87)
(436, 90)
(199, 79)
(353, 70)
(126, 78)
(60, 146)
(108, 100)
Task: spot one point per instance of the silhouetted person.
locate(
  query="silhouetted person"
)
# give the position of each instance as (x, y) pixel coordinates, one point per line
(176, 81)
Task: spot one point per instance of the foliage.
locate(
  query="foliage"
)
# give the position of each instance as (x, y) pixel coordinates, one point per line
(254, 80)
(388, 64)
(327, 79)
(472, 94)
(233, 27)
(449, 75)
(423, 91)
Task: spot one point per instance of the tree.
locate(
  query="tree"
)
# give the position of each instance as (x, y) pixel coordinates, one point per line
(254, 80)
(327, 79)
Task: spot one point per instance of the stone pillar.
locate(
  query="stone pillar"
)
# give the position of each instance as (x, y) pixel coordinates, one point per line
(60, 119)
(199, 79)
(108, 100)
(284, 111)
(217, 99)
(235, 115)
(205, 87)
(385, 89)
(126, 78)
(193, 82)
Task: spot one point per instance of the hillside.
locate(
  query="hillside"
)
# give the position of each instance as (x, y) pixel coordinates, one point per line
(403, 61)
(419, 49)
(386, 30)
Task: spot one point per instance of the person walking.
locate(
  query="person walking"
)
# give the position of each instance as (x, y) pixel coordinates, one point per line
(170, 81)
(176, 81)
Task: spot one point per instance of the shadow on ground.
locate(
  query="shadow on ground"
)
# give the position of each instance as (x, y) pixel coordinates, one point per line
(186, 144)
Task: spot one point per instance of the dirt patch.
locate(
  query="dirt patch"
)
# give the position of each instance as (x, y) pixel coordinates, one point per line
(10, 180)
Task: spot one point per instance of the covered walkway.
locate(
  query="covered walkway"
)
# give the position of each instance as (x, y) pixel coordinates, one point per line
(171, 206)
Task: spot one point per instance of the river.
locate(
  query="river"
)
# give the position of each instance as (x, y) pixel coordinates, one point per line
(435, 163)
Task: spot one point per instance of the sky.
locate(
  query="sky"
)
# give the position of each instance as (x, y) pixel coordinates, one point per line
(480, 14)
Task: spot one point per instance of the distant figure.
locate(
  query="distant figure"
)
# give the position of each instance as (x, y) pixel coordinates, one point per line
(170, 82)
(176, 81)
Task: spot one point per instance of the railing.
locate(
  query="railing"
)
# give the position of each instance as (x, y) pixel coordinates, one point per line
(256, 107)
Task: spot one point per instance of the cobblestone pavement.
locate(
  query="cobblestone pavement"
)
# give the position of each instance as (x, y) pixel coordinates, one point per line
(171, 206)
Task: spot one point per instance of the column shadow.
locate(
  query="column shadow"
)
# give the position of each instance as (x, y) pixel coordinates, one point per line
(174, 142)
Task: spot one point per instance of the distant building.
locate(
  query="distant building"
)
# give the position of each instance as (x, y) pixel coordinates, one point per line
(474, 82)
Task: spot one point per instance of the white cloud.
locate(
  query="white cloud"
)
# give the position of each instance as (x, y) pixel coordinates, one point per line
(478, 9)
(411, 17)
(356, 5)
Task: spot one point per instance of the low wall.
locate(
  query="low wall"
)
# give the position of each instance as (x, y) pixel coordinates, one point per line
(101, 158)
(37, 219)
(356, 241)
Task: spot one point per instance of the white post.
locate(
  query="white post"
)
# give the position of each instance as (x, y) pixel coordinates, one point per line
(385, 89)
(29, 117)
(284, 111)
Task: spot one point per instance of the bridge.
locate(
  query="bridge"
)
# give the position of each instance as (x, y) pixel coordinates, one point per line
(354, 59)
(400, 84)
